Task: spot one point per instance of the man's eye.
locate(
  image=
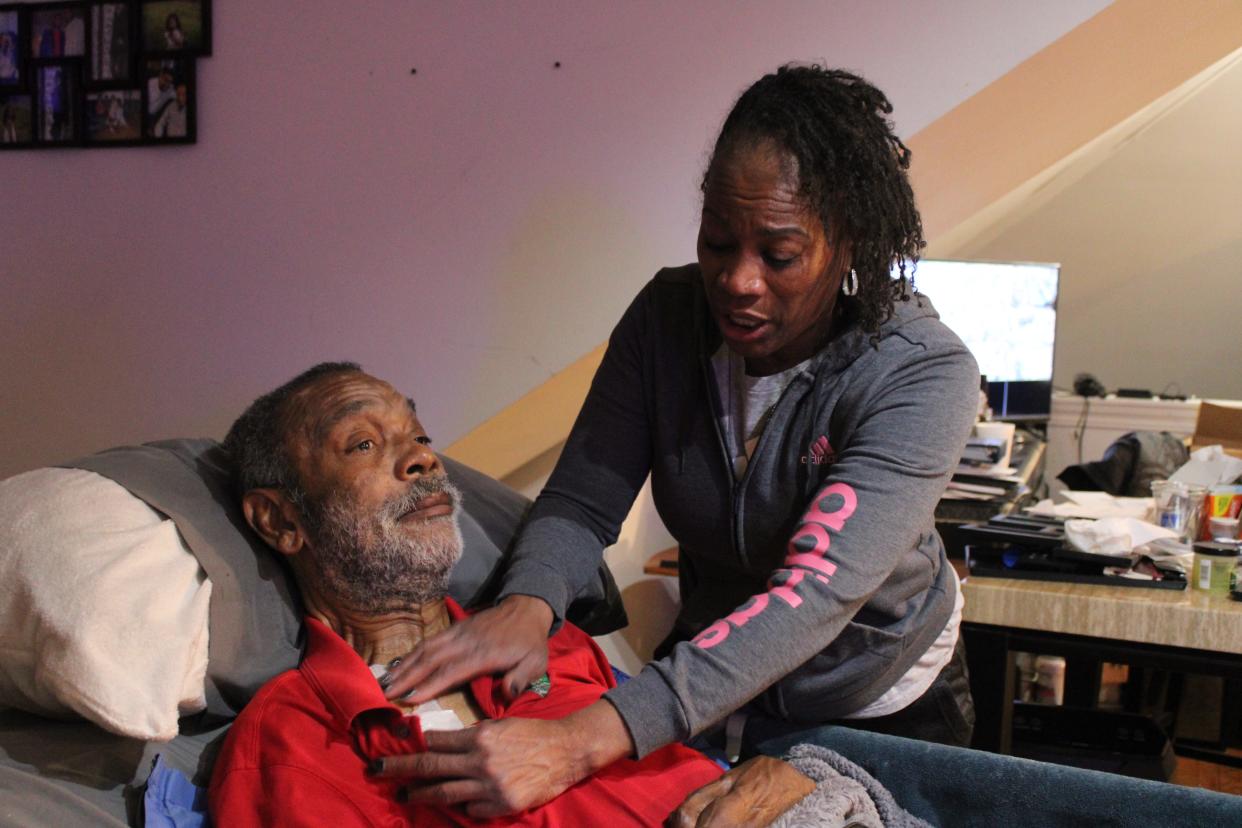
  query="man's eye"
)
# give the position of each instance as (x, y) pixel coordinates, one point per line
(365, 445)
(425, 440)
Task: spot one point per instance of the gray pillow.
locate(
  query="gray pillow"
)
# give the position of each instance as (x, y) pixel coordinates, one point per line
(255, 616)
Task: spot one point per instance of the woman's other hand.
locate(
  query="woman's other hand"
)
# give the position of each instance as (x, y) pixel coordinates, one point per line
(754, 793)
(508, 765)
(510, 640)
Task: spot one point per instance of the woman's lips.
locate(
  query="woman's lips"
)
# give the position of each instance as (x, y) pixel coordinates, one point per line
(739, 328)
(437, 505)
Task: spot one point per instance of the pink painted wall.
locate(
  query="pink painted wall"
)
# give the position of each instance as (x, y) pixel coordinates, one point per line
(465, 231)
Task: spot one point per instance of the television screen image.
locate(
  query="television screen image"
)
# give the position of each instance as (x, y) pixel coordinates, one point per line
(1006, 313)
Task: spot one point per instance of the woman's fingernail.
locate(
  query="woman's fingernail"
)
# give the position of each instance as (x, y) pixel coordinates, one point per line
(395, 663)
(375, 767)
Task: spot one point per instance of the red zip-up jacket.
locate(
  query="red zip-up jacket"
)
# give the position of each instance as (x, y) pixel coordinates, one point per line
(298, 752)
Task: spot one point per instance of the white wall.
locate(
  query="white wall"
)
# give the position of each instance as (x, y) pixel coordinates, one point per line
(1147, 227)
(465, 231)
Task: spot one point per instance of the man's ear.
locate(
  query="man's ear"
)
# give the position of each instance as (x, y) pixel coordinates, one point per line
(275, 519)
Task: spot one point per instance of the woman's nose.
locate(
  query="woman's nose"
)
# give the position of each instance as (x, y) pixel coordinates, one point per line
(741, 276)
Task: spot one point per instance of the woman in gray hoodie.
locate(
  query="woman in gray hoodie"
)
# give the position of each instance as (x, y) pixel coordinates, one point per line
(800, 411)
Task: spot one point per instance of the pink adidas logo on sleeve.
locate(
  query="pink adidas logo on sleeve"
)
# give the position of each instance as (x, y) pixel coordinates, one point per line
(807, 558)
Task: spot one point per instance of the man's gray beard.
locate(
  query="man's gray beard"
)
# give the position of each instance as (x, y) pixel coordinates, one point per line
(372, 564)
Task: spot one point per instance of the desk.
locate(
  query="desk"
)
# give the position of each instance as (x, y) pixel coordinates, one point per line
(1189, 632)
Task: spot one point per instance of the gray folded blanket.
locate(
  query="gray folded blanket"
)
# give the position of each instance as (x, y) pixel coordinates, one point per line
(844, 795)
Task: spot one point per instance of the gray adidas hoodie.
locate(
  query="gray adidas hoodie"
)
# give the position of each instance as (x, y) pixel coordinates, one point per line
(817, 580)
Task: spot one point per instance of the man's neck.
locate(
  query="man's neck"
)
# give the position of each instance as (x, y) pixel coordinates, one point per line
(378, 639)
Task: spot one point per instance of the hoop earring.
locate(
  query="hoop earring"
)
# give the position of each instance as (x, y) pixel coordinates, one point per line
(849, 285)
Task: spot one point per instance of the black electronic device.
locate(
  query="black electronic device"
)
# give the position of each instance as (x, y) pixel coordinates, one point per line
(1027, 565)
(1020, 399)
(1086, 385)
(1033, 547)
(983, 451)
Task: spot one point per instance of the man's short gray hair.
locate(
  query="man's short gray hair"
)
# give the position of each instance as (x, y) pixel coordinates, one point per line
(257, 441)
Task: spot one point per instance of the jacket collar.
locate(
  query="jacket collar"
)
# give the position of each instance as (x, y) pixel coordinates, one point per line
(344, 681)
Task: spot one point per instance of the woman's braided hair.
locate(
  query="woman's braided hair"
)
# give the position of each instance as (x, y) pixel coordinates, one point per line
(852, 171)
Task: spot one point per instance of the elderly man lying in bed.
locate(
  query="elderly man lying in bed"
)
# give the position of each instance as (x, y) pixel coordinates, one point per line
(338, 476)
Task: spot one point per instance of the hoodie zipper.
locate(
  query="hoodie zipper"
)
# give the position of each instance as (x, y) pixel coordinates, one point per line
(709, 379)
(739, 491)
(738, 487)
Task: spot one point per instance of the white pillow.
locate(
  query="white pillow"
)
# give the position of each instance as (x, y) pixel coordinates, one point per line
(103, 608)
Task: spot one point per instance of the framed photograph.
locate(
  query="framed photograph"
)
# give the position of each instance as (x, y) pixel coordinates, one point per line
(171, 27)
(16, 120)
(100, 73)
(112, 30)
(114, 116)
(57, 101)
(14, 48)
(58, 30)
(170, 101)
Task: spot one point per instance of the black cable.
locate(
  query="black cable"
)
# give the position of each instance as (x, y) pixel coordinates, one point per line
(1087, 386)
(1080, 428)
(1177, 394)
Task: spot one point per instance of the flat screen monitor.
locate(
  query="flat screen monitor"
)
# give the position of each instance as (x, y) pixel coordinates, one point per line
(1006, 313)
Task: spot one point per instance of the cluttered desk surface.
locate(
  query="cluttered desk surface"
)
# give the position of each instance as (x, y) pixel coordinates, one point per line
(1073, 566)
(1178, 618)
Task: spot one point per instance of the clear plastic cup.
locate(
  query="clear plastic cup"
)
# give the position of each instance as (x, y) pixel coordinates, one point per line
(1179, 506)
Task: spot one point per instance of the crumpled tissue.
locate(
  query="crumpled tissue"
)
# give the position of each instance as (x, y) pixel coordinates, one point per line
(1113, 536)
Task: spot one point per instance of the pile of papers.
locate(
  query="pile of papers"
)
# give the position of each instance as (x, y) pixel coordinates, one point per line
(1096, 505)
(982, 482)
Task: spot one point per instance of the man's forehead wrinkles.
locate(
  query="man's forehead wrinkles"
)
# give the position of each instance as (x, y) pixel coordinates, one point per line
(324, 423)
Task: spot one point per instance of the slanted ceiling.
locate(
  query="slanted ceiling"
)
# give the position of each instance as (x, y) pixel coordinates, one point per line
(1145, 224)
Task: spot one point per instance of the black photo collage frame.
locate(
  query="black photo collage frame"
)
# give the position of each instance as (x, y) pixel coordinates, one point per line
(101, 73)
